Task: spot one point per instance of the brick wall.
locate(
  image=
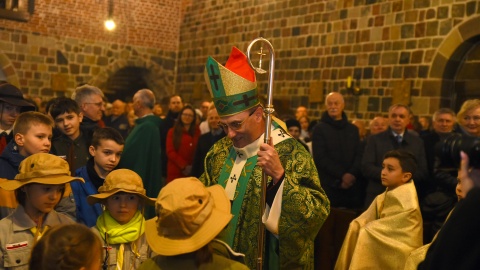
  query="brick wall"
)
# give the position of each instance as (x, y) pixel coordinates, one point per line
(65, 43)
(392, 48)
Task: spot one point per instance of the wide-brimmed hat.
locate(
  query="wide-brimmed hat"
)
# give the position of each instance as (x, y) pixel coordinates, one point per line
(189, 216)
(121, 180)
(233, 87)
(12, 95)
(41, 168)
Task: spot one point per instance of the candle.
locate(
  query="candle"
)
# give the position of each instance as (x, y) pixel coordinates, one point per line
(349, 82)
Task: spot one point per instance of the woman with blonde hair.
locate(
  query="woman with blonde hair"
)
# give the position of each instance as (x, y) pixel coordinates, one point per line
(469, 117)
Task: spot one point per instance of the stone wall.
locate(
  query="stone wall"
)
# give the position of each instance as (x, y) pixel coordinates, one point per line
(65, 43)
(394, 50)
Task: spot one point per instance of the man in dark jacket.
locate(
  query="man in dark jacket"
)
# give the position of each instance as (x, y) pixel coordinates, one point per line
(206, 141)
(118, 120)
(336, 151)
(90, 100)
(337, 155)
(395, 137)
(440, 197)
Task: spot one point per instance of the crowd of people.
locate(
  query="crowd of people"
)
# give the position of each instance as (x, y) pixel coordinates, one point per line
(88, 184)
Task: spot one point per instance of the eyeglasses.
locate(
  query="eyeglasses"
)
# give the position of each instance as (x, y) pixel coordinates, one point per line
(98, 104)
(234, 125)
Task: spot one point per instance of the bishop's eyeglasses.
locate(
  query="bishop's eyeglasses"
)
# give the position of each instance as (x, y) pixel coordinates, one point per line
(235, 125)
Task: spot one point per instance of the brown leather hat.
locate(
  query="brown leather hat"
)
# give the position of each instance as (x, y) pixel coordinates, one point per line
(12, 95)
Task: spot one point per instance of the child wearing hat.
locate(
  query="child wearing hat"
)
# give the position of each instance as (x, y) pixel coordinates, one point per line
(121, 226)
(189, 217)
(12, 104)
(38, 187)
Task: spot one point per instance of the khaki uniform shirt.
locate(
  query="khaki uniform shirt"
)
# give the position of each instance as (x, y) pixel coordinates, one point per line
(16, 238)
(130, 259)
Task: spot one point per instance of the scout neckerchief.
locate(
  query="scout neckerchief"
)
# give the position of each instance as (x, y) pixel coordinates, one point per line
(236, 173)
(121, 234)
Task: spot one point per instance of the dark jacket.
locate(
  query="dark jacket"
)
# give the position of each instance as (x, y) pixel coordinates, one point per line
(120, 123)
(336, 151)
(87, 214)
(457, 245)
(204, 144)
(168, 123)
(381, 143)
(75, 152)
(10, 160)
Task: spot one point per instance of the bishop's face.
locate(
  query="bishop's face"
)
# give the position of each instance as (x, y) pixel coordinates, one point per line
(242, 128)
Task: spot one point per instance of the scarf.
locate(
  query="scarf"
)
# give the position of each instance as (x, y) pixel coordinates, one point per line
(114, 233)
(120, 234)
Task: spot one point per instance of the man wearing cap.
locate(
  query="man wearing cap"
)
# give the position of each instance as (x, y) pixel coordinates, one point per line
(12, 104)
(296, 203)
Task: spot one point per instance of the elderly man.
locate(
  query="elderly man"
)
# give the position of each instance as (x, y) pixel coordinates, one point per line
(337, 154)
(395, 137)
(90, 100)
(443, 123)
(441, 197)
(378, 124)
(296, 203)
(142, 152)
(118, 119)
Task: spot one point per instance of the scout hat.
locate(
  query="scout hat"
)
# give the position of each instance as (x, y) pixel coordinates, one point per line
(233, 87)
(12, 95)
(121, 180)
(41, 168)
(189, 216)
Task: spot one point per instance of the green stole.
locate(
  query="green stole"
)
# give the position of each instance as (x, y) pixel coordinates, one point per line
(241, 175)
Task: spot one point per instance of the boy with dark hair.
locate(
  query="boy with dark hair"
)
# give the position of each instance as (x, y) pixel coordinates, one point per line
(383, 236)
(12, 104)
(71, 143)
(106, 149)
(32, 134)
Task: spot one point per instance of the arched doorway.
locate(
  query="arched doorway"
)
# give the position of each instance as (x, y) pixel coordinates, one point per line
(467, 79)
(122, 78)
(125, 82)
(454, 70)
